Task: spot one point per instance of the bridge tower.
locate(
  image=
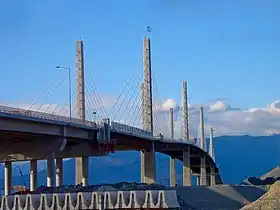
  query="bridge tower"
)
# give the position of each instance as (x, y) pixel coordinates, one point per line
(81, 162)
(202, 137)
(148, 165)
(212, 154)
(172, 166)
(203, 178)
(186, 152)
(186, 135)
(211, 146)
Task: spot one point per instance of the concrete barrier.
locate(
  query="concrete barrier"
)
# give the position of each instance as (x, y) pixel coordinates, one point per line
(163, 199)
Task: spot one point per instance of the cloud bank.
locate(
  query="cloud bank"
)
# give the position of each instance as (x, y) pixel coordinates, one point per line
(225, 119)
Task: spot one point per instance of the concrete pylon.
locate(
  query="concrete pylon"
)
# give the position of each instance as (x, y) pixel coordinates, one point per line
(212, 175)
(51, 170)
(33, 175)
(197, 180)
(143, 127)
(59, 172)
(186, 135)
(203, 178)
(202, 140)
(7, 177)
(172, 166)
(211, 146)
(148, 164)
(186, 167)
(143, 106)
(186, 152)
(81, 162)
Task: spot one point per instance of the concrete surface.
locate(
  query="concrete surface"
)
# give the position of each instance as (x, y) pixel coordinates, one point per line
(219, 197)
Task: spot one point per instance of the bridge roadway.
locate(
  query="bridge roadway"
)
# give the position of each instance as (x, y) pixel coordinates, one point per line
(27, 135)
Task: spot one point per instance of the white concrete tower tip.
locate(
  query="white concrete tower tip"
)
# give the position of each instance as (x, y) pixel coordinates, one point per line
(202, 140)
(186, 135)
(211, 144)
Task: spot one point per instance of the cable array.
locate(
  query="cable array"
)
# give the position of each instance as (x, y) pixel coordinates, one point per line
(127, 107)
(179, 123)
(50, 106)
(95, 110)
(161, 116)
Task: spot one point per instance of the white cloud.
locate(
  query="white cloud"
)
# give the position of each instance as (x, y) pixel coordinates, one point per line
(225, 119)
(219, 106)
(169, 103)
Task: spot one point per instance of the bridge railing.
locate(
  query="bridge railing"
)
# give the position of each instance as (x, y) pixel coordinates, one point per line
(44, 116)
(114, 125)
(130, 129)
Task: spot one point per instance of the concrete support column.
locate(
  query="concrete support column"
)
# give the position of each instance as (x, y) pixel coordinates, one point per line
(142, 165)
(203, 179)
(7, 177)
(172, 172)
(186, 167)
(186, 134)
(59, 172)
(212, 176)
(33, 175)
(148, 161)
(198, 180)
(211, 146)
(51, 170)
(82, 171)
(172, 166)
(148, 167)
(202, 140)
(81, 162)
(208, 181)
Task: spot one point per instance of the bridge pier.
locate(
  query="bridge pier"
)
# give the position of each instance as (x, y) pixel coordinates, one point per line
(203, 179)
(172, 172)
(82, 171)
(33, 175)
(59, 172)
(172, 166)
(148, 173)
(81, 162)
(186, 153)
(148, 162)
(51, 169)
(186, 168)
(197, 180)
(212, 176)
(7, 177)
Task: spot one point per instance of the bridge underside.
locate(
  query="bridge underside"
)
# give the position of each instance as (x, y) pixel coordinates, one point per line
(172, 149)
(17, 146)
(25, 146)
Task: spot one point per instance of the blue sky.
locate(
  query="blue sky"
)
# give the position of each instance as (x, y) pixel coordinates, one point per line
(224, 49)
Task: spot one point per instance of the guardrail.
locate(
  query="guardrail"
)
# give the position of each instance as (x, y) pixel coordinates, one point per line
(119, 127)
(130, 129)
(43, 115)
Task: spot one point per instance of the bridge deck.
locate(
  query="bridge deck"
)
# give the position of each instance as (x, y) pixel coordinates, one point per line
(22, 130)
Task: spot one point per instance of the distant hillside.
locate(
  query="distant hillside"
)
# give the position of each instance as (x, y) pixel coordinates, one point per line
(238, 157)
(267, 179)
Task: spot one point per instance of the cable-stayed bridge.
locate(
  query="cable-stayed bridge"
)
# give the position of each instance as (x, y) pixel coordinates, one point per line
(136, 121)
